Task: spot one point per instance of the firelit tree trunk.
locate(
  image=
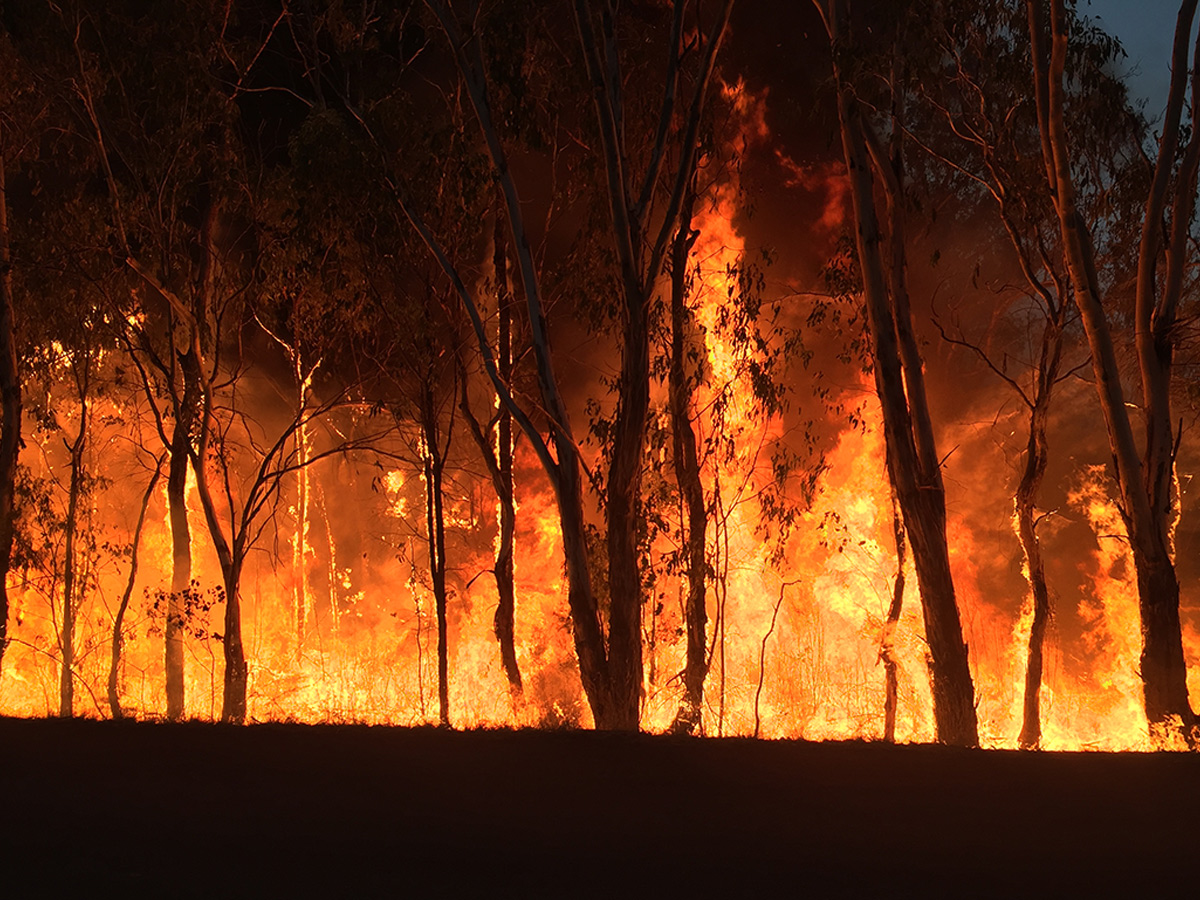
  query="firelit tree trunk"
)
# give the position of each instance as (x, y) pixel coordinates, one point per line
(912, 460)
(640, 251)
(687, 474)
(503, 623)
(435, 531)
(1144, 481)
(118, 635)
(624, 513)
(66, 693)
(1036, 457)
(237, 673)
(887, 646)
(10, 408)
(613, 685)
(181, 553)
(562, 466)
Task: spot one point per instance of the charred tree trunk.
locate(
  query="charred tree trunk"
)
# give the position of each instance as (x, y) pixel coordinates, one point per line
(612, 685)
(624, 513)
(66, 694)
(300, 602)
(181, 547)
(687, 474)
(887, 647)
(1144, 481)
(503, 623)
(912, 461)
(1036, 458)
(435, 530)
(10, 409)
(237, 673)
(118, 637)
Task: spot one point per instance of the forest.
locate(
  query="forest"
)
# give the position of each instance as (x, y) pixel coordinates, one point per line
(826, 371)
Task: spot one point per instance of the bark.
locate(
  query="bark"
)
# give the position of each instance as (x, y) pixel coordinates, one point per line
(624, 516)
(1143, 480)
(562, 466)
(181, 549)
(230, 556)
(611, 674)
(887, 647)
(503, 623)
(118, 637)
(10, 408)
(237, 673)
(912, 460)
(1036, 458)
(66, 693)
(300, 602)
(687, 474)
(435, 533)
(640, 259)
(1026, 511)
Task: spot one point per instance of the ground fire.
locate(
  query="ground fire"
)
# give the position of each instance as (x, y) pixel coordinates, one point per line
(583, 365)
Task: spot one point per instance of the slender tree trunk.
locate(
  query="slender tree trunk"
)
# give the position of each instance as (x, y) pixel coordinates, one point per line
(231, 554)
(10, 408)
(503, 623)
(237, 673)
(435, 530)
(624, 512)
(118, 637)
(300, 549)
(918, 488)
(181, 556)
(1143, 481)
(66, 705)
(687, 475)
(1036, 457)
(887, 647)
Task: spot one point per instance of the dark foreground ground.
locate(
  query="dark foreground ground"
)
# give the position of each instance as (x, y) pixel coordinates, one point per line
(113, 809)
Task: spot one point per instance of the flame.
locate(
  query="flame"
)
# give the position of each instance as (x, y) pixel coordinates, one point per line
(795, 630)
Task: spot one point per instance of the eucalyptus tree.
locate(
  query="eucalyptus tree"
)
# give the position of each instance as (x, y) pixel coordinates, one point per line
(979, 133)
(165, 168)
(914, 466)
(16, 85)
(1148, 500)
(641, 225)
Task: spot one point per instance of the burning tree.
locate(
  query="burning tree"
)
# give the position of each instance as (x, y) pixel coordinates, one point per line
(1145, 478)
(913, 464)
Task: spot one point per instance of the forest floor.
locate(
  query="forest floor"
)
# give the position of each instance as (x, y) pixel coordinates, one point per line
(201, 810)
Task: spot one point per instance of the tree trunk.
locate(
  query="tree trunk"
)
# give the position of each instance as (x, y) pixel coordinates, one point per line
(181, 557)
(237, 673)
(435, 531)
(1162, 665)
(231, 554)
(118, 638)
(624, 512)
(66, 703)
(503, 623)
(10, 408)
(299, 549)
(887, 647)
(1143, 482)
(1036, 456)
(918, 489)
(687, 475)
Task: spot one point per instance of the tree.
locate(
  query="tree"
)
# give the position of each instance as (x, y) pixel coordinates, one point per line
(611, 669)
(10, 375)
(1144, 478)
(499, 461)
(983, 138)
(913, 464)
